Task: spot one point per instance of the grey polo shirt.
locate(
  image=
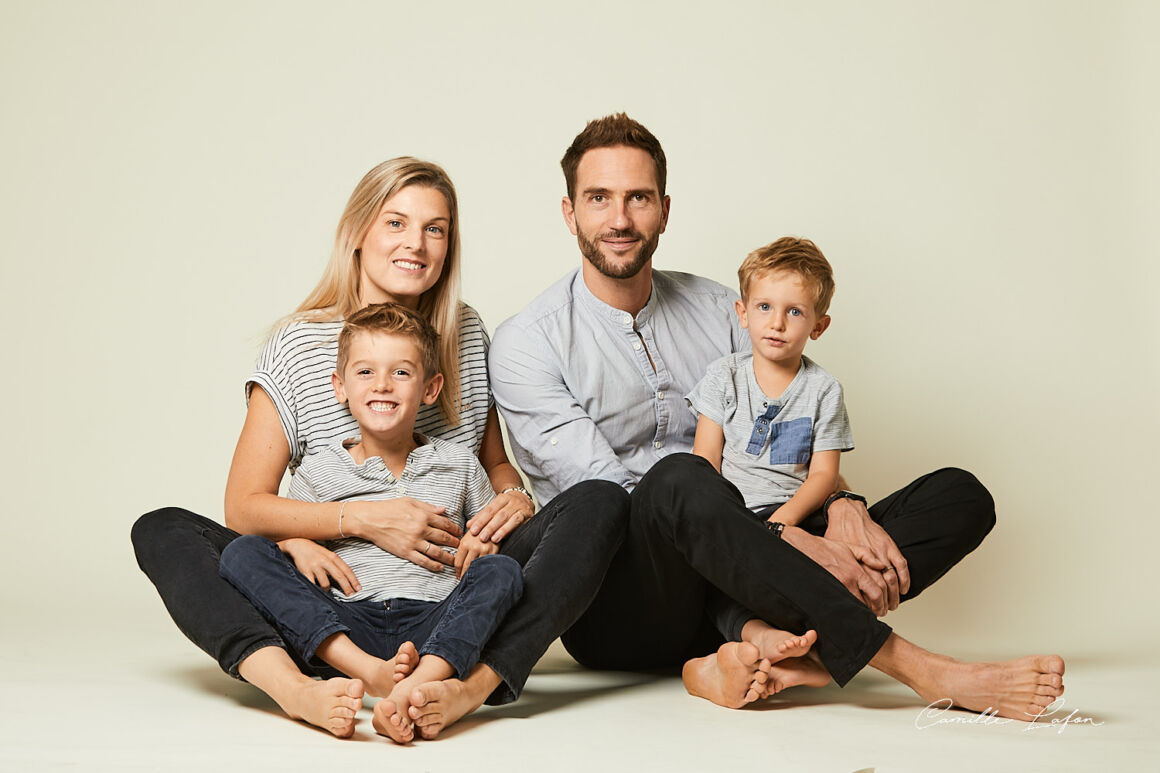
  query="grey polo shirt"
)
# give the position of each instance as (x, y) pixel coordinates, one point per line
(571, 376)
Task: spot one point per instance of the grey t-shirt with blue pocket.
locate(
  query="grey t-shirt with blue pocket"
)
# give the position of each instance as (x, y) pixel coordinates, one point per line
(768, 442)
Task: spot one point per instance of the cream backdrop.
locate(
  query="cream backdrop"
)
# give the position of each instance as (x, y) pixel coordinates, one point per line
(983, 176)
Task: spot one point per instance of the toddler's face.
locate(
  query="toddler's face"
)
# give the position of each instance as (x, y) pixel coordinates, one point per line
(780, 316)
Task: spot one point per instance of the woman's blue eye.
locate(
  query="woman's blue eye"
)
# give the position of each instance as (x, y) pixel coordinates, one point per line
(395, 223)
(435, 229)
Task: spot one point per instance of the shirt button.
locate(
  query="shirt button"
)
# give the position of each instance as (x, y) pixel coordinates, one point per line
(657, 444)
(402, 489)
(554, 441)
(628, 319)
(661, 395)
(636, 345)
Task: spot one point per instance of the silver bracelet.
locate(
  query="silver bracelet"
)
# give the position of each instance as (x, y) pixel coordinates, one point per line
(340, 509)
(520, 489)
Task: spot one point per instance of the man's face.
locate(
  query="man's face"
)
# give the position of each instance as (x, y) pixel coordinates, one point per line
(619, 214)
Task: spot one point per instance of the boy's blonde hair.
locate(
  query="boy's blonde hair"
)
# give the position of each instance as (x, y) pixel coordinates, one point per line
(392, 319)
(802, 257)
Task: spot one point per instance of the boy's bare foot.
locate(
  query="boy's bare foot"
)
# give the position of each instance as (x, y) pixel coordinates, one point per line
(436, 706)
(1016, 689)
(392, 715)
(795, 672)
(775, 644)
(331, 704)
(731, 677)
(387, 673)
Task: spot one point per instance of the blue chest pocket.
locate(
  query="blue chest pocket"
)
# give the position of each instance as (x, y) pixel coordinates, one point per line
(790, 442)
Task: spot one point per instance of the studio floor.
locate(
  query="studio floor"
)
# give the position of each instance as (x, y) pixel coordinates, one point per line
(147, 700)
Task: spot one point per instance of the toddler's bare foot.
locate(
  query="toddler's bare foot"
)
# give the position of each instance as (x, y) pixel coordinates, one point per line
(388, 673)
(731, 677)
(331, 704)
(1017, 689)
(436, 706)
(795, 672)
(775, 644)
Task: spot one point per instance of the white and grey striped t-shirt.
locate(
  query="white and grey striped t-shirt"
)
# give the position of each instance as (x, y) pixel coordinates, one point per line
(294, 370)
(439, 472)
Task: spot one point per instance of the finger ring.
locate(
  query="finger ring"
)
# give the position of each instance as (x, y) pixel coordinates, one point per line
(426, 546)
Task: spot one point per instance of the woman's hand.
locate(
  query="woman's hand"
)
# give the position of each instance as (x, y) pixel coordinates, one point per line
(320, 565)
(471, 548)
(501, 516)
(408, 528)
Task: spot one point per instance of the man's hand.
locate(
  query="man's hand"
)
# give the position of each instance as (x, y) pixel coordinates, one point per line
(838, 559)
(850, 524)
(501, 516)
(471, 548)
(320, 565)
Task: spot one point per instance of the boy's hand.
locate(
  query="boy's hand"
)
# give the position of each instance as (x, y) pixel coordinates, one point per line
(320, 565)
(501, 516)
(471, 548)
(850, 523)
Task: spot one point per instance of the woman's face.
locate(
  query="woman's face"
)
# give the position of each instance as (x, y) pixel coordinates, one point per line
(402, 254)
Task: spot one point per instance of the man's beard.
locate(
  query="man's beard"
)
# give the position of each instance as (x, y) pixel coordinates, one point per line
(590, 249)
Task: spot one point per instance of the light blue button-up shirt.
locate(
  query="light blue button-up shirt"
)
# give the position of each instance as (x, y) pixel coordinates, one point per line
(571, 376)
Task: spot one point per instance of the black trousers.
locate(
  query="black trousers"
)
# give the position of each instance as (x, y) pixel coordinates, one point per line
(565, 551)
(690, 534)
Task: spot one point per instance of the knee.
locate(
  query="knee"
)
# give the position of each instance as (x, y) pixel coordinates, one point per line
(503, 572)
(675, 471)
(604, 506)
(973, 505)
(244, 552)
(154, 531)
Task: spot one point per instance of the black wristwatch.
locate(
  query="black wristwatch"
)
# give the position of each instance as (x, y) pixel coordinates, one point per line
(777, 527)
(840, 495)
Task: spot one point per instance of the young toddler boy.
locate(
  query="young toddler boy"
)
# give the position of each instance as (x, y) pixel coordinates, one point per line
(387, 367)
(773, 422)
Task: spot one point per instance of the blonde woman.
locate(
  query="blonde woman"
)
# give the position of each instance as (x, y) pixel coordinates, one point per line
(397, 241)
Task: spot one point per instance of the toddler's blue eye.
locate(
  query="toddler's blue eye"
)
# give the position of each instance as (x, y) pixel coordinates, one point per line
(763, 307)
(795, 312)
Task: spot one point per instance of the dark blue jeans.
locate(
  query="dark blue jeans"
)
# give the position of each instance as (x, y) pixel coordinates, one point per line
(454, 629)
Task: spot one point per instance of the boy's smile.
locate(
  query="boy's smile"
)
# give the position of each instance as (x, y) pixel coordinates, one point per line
(384, 385)
(781, 316)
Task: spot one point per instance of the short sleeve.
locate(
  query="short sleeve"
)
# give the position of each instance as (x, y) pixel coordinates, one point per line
(272, 374)
(832, 427)
(714, 396)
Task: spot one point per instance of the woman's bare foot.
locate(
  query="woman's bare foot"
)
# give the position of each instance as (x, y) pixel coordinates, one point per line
(1016, 689)
(436, 706)
(775, 644)
(731, 677)
(392, 716)
(331, 704)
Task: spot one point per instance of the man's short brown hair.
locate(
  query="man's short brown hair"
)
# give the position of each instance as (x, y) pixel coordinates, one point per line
(607, 132)
(802, 257)
(393, 319)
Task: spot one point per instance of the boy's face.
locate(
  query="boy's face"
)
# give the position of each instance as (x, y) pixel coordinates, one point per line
(780, 315)
(384, 384)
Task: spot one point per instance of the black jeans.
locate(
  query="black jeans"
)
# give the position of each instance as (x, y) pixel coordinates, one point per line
(690, 534)
(564, 550)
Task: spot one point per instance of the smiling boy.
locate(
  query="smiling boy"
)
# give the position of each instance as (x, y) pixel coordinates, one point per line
(387, 367)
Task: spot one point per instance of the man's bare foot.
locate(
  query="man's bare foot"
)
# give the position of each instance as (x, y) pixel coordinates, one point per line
(331, 704)
(802, 671)
(731, 677)
(387, 673)
(436, 706)
(775, 644)
(1016, 689)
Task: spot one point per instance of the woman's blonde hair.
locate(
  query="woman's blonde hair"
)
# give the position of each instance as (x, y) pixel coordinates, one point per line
(337, 293)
